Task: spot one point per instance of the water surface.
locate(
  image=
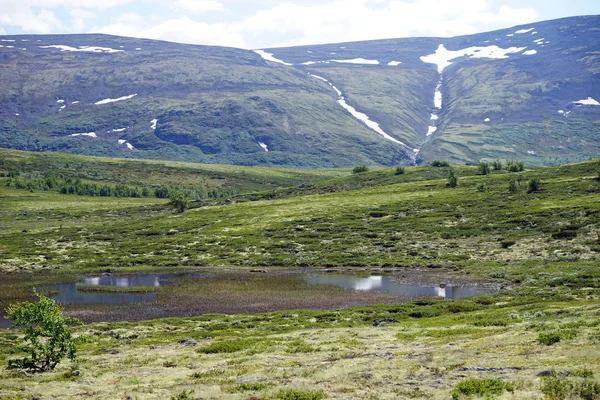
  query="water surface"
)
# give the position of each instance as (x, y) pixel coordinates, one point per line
(388, 284)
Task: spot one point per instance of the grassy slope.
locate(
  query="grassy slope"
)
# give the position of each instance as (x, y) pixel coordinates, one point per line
(410, 219)
(146, 172)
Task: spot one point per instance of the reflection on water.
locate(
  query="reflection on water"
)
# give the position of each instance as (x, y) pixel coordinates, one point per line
(4, 323)
(386, 284)
(128, 281)
(68, 293)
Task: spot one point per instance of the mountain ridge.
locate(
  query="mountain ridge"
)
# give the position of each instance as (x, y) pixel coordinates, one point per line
(225, 105)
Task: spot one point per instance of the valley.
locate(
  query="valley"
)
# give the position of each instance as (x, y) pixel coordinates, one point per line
(303, 282)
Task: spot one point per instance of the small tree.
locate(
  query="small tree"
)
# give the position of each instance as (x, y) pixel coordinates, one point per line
(360, 169)
(399, 170)
(497, 164)
(178, 200)
(483, 168)
(452, 180)
(47, 339)
(513, 186)
(439, 163)
(534, 185)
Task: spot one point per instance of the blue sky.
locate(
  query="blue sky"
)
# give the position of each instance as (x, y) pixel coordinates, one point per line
(272, 23)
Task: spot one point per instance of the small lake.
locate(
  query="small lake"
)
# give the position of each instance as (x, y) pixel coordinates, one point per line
(388, 284)
(240, 292)
(69, 293)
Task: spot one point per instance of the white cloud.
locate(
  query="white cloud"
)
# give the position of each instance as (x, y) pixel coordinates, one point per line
(198, 6)
(267, 23)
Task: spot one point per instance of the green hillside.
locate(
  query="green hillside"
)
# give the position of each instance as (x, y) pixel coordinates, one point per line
(539, 242)
(503, 95)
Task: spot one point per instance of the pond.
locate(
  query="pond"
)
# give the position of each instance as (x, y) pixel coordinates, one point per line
(238, 292)
(388, 284)
(69, 293)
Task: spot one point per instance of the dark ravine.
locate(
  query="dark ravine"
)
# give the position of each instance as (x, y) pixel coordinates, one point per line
(160, 100)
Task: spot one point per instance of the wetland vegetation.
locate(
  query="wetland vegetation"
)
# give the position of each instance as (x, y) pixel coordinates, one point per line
(238, 317)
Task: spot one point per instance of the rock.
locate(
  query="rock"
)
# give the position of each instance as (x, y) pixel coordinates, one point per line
(188, 342)
(109, 351)
(551, 372)
(260, 271)
(384, 321)
(76, 373)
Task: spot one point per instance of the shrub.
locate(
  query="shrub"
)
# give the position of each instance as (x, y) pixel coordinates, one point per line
(438, 163)
(162, 192)
(555, 387)
(515, 166)
(296, 394)
(399, 170)
(183, 395)
(587, 390)
(548, 339)
(482, 187)
(480, 387)
(360, 169)
(497, 165)
(483, 168)
(534, 185)
(452, 180)
(47, 339)
(513, 186)
(179, 201)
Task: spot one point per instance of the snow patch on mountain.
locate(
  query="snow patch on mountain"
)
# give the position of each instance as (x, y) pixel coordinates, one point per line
(153, 124)
(521, 31)
(90, 134)
(587, 102)
(362, 117)
(394, 63)
(90, 49)
(107, 101)
(358, 61)
(529, 52)
(442, 56)
(264, 146)
(119, 130)
(269, 57)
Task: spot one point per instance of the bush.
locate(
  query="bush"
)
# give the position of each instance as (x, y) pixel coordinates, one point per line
(515, 166)
(399, 170)
(482, 187)
(452, 180)
(513, 186)
(178, 201)
(588, 390)
(438, 163)
(183, 395)
(554, 387)
(360, 169)
(534, 185)
(483, 168)
(497, 165)
(548, 339)
(296, 394)
(47, 339)
(480, 387)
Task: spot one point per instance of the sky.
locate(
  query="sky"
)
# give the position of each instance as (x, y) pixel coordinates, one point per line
(255, 24)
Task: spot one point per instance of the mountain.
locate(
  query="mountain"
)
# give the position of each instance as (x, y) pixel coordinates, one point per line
(530, 92)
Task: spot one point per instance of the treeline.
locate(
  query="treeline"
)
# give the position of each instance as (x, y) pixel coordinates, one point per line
(62, 185)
